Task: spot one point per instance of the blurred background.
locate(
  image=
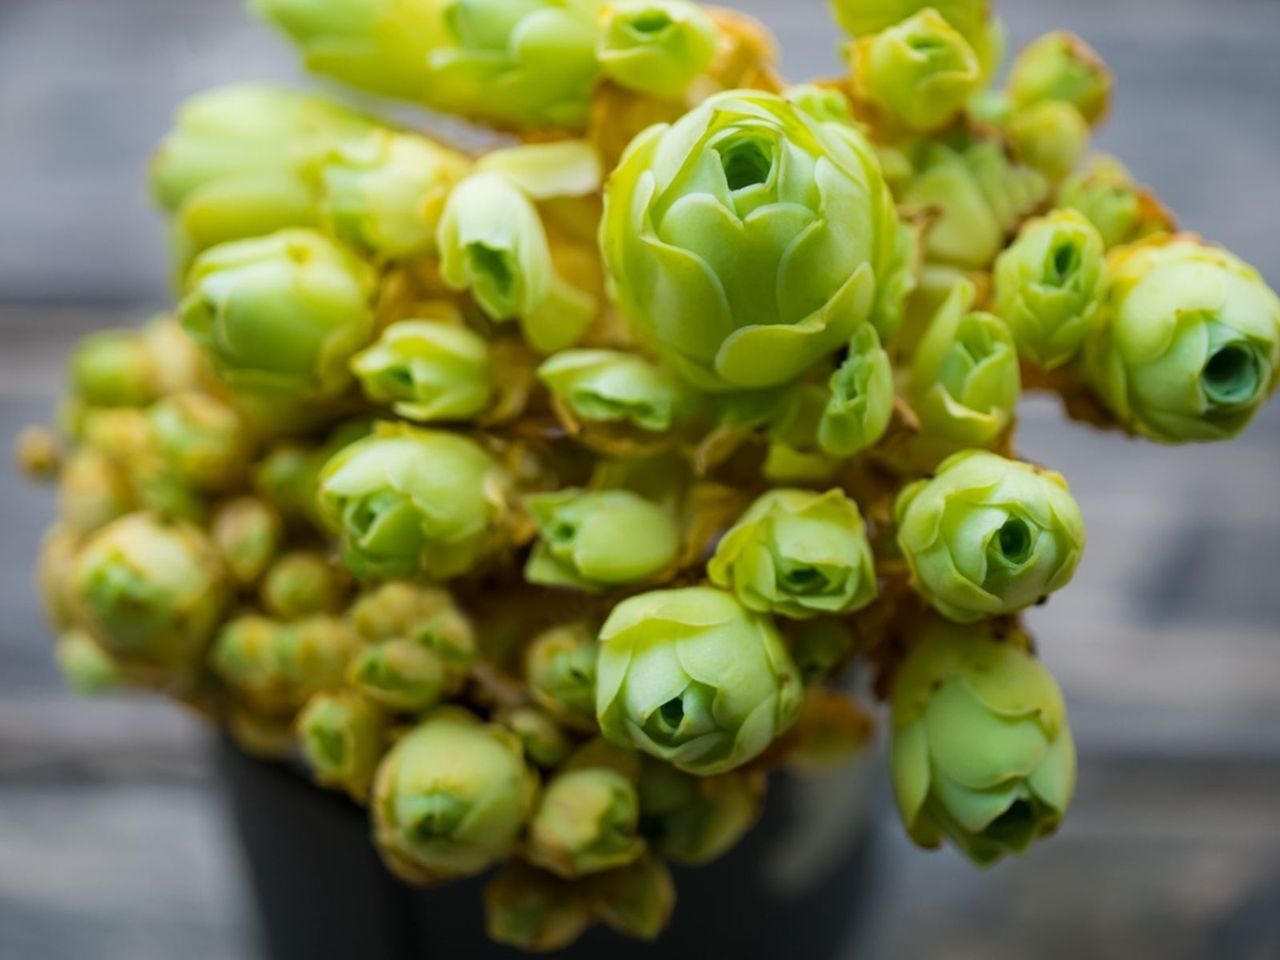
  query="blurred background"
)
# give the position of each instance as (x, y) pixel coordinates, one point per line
(113, 839)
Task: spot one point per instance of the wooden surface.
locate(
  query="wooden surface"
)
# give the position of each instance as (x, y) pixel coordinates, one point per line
(112, 840)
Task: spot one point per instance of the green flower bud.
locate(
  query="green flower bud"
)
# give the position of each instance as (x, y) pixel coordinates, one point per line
(1061, 67)
(451, 798)
(860, 403)
(92, 491)
(512, 62)
(281, 476)
(637, 900)
(247, 533)
(1050, 137)
(179, 364)
(284, 312)
(545, 744)
(303, 583)
(278, 667)
(150, 593)
(974, 20)
(113, 368)
(694, 678)
(919, 72)
(965, 380)
(201, 440)
(560, 668)
(798, 554)
(980, 752)
(581, 532)
(400, 675)
(409, 502)
(609, 386)
(820, 647)
(384, 194)
(977, 198)
(343, 738)
(425, 616)
(87, 668)
(989, 536)
(656, 47)
(697, 820)
(749, 241)
(1047, 286)
(535, 911)
(1186, 345)
(427, 371)
(586, 822)
(826, 104)
(1122, 211)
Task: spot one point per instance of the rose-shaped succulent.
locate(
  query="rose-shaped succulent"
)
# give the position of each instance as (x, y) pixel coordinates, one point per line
(342, 738)
(1186, 344)
(798, 554)
(202, 440)
(113, 368)
(276, 667)
(586, 822)
(427, 617)
(517, 62)
(560, 668)
(974, 19)
(989, 536)
(980, 752)
(400, 675)
(534, 910)
(596, 540)
(748, 241)
(413, 502)
(247, 533)
(1047, 286)
(303, 583)
(545, 744)
(655, 47)
(918, 73)
(964, 381)
(427, 371)
(281, 313)
(694, 678)
(860, 404)
(1063, 68)
(610, 386)
(1050, 137)
(1123, 212)
(150, 593)
(451, 798)
(696, 820)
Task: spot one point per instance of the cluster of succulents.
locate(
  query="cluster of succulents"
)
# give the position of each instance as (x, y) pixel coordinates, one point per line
(543, 498)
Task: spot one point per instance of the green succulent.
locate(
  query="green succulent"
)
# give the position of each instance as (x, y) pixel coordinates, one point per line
(202, 440)
(427, 371)
(586, 822)
(1050, 137)
(247, 533)
(400, 675)
(1060, 67)
(1105, 192)
(696, 820)
(277, 667)
(974, 19)
(560, 669)
(860, 404)
(302, 583)
(610, 386)
(656, 47)
(343, 737)
(113, 368)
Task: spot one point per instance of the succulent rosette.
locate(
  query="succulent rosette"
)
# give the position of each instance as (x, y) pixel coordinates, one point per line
(399, 675)
(413, 502)
(1060, 67)
(696, 820)
(989, 536)
(427, 371)
(282, 313)
(959, 687)
(202, 440)
(694, 678)
(1186, 344)
(1121, 210)
(613, 387)
(113, 368)
(1048, 284)
(656, 47)
(451, 798)
(798, 554)
(516, 62)
(1051, 137)
(342, 738)
(276, 667)
(586, 822)
(247, 533)
(748, 240)
(974, 19)
(303, 583)
(560, 667)
(860, 404)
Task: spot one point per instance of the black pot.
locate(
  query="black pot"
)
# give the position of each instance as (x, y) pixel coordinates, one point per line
(799, 885)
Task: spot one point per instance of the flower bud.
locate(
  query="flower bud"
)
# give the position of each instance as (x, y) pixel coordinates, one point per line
(113, 368)
(696, 820)
(400, 675)
(1106, 194)
(150, 593)
(1186, 345)
(637, 900)
(798, 554)
(694, 678)
(545, 744)
(980, 752)
(989, 536)
(343, 738)
(918, 73)
(179, 364)
(965, 380)
(586, 822)
(425, 615)
(277, 667)
(860, 403)
(92, 491)
(826, 104)
(247, 533)
(527, 63)
(427, 371)
(580, 534)
(974, 19)
(748, 241)
(656, 47)
(413, 502)
(609, 386)
(560, 668)
(1050, 137)
(451, 798)
(86, 667)
(303, 583)
(533, 910)
(284, 312)
(1047, 286)
(280, 476)
(1063, 68)
(201, 440)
